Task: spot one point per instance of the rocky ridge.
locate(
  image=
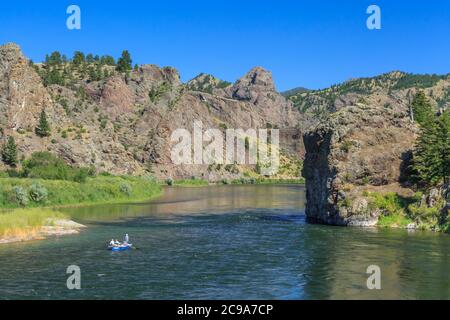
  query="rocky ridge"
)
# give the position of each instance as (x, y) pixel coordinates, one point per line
(122, 123)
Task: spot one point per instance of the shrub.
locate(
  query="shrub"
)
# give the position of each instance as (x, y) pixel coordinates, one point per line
(45, 165)
(346, 146)
(38, 193)
(80, 175)
(13, 173)
(424, 215)
(390, 202)
(150, 179)
(19, 196)
(169, 182)
(126, 189)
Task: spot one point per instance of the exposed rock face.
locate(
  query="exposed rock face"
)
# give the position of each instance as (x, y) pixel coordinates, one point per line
(122, 123)
(22, 95)
(256, 82)
(258, 89)
(116, 97)
(355, 149)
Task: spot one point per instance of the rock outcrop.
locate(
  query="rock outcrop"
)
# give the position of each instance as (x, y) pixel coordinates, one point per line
(122, 123)
(22, 94)
(359, 148)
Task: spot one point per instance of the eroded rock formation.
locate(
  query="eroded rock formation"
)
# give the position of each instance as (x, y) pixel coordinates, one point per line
(357, 149)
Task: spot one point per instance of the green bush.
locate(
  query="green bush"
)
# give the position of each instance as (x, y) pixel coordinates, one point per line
(44, 165)
(126, 189)
(80, 174)
(19, 196)
(38, 193)
(169, 181)
(425, 216)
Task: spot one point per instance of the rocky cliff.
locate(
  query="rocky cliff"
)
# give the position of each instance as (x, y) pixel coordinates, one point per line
(122, 122)
(357, 133)
(357, 149)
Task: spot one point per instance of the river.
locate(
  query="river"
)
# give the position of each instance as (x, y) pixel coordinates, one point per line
(225, 242)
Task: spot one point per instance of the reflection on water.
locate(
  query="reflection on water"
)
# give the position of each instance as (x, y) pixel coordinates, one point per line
(198, 200)
(225, 242)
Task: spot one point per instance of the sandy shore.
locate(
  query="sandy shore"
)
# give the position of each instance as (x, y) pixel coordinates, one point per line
(55, 228)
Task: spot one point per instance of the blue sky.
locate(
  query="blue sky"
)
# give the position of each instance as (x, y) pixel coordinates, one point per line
(304, 43)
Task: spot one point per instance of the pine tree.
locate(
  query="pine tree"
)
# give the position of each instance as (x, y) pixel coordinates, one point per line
(54, 59)
(78, 58)
(431, 158)
(124, 62)
(43, 129)
(9, 152)
(422, 109)
(443, 124)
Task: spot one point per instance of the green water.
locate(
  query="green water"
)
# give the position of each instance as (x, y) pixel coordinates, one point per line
(225, 242)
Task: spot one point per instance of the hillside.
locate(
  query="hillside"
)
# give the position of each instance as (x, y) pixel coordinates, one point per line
(121, 121)
(389, 89)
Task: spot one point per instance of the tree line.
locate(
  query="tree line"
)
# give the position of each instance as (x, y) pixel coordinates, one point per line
(61, 70)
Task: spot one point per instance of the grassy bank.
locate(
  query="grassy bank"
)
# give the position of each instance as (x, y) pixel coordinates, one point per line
(190, 183)
(25, 203)
(22, 223)
(202, 182)
(26, 192)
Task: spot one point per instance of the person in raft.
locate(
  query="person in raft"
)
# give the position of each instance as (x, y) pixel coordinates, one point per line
(126, 239)
(112, 243)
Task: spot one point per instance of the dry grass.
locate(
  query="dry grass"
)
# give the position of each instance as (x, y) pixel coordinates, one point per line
(25, 223)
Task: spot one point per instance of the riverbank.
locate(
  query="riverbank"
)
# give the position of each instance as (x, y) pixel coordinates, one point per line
(32, 193)
(34, 224)
(409, 212)
(27, 206)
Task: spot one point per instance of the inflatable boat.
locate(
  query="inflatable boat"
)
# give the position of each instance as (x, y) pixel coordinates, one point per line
(121, 247)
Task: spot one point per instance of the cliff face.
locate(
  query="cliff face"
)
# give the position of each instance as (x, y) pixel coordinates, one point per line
(22, 95)
(359, 148)
(122, 123)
